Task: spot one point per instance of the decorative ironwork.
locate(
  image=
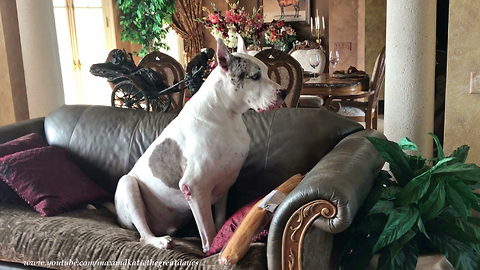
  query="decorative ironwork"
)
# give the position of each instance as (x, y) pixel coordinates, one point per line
(296, 227)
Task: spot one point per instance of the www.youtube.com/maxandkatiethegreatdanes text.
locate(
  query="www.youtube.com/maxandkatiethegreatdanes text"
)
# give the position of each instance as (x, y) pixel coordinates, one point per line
(126, 262)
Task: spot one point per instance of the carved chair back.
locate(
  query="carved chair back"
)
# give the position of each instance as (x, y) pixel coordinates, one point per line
(171, 69)
(286, 71)
(378, 78)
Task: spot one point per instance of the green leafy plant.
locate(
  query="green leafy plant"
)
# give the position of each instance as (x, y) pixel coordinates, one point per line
(425, 208)
(146, 22)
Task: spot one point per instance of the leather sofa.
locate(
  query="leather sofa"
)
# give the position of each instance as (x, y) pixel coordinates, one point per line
(339, 165)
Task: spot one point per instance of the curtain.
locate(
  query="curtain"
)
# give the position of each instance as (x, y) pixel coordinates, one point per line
(183, 22)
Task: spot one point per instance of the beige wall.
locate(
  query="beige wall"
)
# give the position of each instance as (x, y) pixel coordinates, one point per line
(13, 98)
(346, 24)
(462, 113)
(375, 31)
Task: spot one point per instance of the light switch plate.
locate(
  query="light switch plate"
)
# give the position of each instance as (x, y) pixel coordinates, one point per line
(342, 46)
(475, 82)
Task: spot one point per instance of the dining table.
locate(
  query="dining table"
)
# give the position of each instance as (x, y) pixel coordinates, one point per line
(332, 87)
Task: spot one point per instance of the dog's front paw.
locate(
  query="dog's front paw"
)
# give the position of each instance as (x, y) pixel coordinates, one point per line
(163, 242)
(206, 248)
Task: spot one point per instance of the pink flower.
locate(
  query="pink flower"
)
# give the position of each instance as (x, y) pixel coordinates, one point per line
(213, 17)
(237, 18)
(228, 17)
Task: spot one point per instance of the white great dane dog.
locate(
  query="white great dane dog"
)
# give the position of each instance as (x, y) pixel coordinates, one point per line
(198, 156)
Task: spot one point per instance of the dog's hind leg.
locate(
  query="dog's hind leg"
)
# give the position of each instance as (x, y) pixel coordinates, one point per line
(132, 213)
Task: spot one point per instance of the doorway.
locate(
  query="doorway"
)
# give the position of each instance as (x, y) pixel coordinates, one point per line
(85, 37)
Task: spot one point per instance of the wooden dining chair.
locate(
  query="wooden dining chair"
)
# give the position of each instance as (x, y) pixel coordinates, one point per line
(366, 111)
(286, 71)
(171, 69)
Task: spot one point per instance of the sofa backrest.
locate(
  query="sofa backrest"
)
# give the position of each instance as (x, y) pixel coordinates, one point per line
(106, 142)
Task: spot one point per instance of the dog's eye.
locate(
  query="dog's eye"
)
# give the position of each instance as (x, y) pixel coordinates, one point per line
(255, 76)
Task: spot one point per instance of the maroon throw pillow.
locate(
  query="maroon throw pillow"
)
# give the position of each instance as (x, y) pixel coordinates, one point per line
(26, 142)
(29, 141)
(227, 230)
(48, 181)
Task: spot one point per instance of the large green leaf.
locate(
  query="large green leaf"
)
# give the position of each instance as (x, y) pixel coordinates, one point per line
(406, 258)
(382, 207)
(415, 189)
(393, 154)
(396, 246)
(440, 153)
(378, 193)
(456, 201)
(460, 153)
(465, 172)
(469, 228)
(459, 229)
(459, 254)
(466, 193)
(417, 163)
(407, 144)
(434, 203)
(421, 228)
(399, 222)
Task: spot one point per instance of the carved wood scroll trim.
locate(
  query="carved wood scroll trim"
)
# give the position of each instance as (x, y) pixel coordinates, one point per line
(295, 230)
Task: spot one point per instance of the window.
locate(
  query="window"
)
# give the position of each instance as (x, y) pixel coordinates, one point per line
(84, 38)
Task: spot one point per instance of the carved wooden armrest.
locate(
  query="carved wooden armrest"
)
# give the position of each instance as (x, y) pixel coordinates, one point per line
(296, 227)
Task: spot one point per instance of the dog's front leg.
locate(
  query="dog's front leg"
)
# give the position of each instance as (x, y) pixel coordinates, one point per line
(221, 212)
(200, 204)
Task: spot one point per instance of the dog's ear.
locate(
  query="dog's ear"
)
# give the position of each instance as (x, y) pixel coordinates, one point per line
(241, 45)
(223, 55)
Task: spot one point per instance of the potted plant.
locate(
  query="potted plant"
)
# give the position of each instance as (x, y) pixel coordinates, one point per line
(424, 208)
(146, 22)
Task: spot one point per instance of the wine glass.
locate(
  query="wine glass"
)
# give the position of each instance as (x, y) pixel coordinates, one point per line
(334, 58)
(314, 59)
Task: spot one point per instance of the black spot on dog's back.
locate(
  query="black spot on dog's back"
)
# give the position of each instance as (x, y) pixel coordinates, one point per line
(168, 163)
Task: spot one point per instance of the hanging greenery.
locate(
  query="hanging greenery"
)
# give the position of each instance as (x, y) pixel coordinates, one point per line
(146, 22)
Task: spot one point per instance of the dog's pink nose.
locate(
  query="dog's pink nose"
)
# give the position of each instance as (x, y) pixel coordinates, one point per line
(282, 94)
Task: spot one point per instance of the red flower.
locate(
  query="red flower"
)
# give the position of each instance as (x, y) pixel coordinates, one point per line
(280, 24)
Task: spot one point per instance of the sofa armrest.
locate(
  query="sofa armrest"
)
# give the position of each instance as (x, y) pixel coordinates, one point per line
(19, 129)
(327, 199)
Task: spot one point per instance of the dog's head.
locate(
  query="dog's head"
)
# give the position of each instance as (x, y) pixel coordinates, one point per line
(248, 85)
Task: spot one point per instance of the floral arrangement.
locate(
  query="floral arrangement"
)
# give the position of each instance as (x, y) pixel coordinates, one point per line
(236, 21)
(278, 33)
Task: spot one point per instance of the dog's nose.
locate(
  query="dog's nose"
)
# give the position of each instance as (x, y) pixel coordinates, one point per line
(282, 94)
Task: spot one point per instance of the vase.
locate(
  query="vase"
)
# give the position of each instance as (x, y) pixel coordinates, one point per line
(281, 46)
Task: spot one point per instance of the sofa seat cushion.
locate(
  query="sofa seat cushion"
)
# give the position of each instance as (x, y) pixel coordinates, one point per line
(91, 235)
